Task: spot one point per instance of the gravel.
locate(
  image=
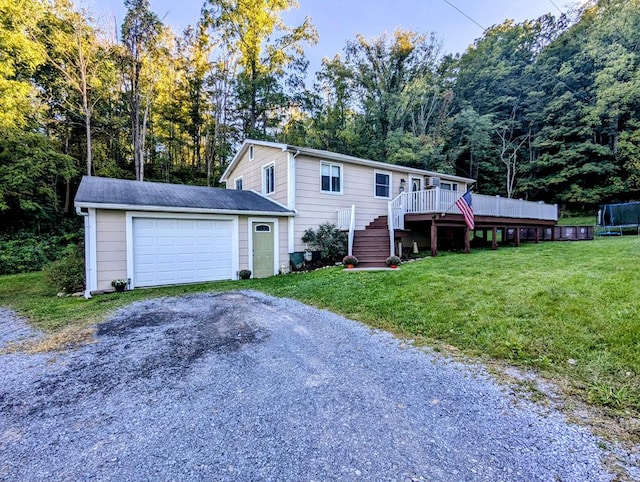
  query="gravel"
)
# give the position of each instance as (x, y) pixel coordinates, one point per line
(243, 386)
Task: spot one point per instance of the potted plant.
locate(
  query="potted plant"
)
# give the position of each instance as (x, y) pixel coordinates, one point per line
(350, 261)
(244, 274)
(393, 261)
(119, 284)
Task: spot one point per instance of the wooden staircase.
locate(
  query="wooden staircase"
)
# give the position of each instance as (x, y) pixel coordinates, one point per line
(371, 245)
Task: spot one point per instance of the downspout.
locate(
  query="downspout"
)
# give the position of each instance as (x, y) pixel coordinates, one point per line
(87, 251)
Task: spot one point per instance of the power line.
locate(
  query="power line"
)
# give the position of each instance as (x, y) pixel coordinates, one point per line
(452, 5)
(555, 5)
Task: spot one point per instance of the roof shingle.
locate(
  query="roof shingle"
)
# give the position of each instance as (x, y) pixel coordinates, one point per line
(101, 190)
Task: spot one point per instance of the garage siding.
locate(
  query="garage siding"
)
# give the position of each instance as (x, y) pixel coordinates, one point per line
(111, 244)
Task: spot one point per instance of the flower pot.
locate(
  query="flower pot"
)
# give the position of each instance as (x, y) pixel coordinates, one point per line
(393, 266)
(350, 266)
(119, 288)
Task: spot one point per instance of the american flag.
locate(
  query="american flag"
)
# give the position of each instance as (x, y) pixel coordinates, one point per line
(466, 208)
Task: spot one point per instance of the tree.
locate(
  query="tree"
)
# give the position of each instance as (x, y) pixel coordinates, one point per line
(269, 54)
(140, 32)
(20, 55)
(75, 49)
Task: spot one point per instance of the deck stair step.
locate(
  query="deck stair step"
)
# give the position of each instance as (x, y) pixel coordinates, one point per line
(371, 245)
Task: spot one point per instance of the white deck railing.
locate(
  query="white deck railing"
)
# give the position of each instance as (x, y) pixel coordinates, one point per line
(441, 201)
(347, 222)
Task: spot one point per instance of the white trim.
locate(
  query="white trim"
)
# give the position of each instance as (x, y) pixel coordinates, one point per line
(413, 178)
(331, 164)
(235, 182)
(276, 242)
(264, 178)
(90, 252)
(173, 209)
(291, 241)
(386, 173)
(235, 250)
(291, 181)
(243, 148)
(333, 156)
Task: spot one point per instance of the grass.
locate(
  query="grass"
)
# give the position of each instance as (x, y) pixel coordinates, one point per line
(569, 310)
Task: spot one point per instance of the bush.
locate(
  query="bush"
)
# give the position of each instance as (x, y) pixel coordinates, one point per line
(25, 251)
(67, 273)
(392, 261)
(329, 240)
(245, 274)
(350, 260)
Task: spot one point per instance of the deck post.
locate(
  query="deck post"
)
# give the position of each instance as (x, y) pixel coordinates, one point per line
(516, 237)
(537, 235)
(467, 242)
(434, 238)
(494, 237)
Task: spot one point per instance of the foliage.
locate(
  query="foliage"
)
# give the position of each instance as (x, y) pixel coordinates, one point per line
(118, 282)
(392, 261)
(67, 274)
(244, 274)
(350, 260)
(328, 239)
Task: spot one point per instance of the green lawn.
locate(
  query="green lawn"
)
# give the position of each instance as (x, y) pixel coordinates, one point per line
(570, 310)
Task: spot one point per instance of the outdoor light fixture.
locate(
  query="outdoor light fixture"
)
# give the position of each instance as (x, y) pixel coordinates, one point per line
(403, 183)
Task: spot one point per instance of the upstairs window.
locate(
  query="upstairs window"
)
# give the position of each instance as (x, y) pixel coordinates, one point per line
(382, 184)
(251, 153)
(268, 179)
(331, 177)
(238, 184)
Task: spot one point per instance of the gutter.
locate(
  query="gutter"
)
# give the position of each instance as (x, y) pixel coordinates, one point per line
(132, 207)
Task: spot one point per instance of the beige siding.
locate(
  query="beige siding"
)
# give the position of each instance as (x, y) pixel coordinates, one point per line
(251, 172)
(358, 188)
(283, 243)
(243, 241)
(111, 243)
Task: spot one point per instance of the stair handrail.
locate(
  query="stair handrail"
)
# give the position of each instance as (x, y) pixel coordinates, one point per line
(390, 225)
(352, 228)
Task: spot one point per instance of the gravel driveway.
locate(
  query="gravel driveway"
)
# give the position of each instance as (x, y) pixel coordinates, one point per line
(243, 386)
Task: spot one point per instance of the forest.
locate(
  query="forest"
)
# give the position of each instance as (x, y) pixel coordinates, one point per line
(545, 110)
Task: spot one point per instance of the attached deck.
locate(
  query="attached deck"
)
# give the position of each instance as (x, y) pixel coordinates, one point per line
(431, 218)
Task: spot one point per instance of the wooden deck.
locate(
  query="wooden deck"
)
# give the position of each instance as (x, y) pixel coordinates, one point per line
(430, 219)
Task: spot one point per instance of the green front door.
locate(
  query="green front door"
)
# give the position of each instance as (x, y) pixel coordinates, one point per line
(262, 250)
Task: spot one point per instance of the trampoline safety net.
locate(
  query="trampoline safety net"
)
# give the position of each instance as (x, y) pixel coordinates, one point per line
(627, 214)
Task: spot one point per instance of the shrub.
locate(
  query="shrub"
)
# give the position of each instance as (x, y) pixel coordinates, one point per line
(24, 251)
(245, 274)
(67, 273)
(350, 260)
(328, 239)
(392, 261)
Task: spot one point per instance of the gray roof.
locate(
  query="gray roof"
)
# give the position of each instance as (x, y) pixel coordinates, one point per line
(114, 193)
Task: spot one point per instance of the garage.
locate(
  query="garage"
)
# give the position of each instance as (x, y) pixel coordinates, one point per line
(175, 251)
(156, 234)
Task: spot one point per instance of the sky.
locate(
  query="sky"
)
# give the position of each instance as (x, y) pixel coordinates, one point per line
(340, 20)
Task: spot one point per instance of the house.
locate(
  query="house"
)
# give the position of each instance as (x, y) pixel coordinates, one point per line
(155, 234)
(379, 204)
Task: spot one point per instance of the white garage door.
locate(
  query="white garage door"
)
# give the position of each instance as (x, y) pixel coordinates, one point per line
(174, 251)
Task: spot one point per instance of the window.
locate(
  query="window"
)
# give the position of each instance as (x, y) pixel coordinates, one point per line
(447, 186)
(383, 184)
(238, 183)
(251, 153)
(268, 179)
(331, 177)
(263, 228)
